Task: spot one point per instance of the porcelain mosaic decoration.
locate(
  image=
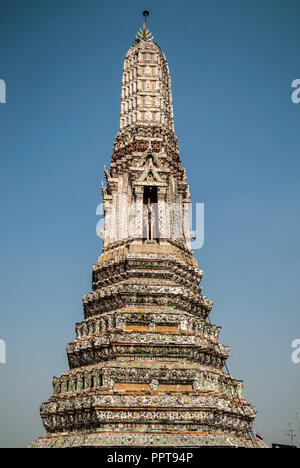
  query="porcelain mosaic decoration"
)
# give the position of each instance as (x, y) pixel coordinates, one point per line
(147, 366)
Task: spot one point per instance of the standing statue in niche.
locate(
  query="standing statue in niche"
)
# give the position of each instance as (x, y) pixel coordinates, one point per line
(150, 221)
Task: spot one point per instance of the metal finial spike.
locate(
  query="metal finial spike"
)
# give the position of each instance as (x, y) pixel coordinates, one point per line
(145, 14)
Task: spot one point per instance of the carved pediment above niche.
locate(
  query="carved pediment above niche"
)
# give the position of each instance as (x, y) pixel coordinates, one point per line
(150, 174)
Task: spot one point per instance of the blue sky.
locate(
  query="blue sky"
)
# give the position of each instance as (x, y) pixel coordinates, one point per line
(232, 64)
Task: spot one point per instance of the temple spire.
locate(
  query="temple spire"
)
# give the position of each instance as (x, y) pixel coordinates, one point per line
(147, 368)
(146, 85)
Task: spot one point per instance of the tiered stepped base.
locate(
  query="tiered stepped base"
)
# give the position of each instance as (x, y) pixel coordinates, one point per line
(146, 368)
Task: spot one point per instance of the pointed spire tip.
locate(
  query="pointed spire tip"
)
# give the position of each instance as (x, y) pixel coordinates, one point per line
(144, 34)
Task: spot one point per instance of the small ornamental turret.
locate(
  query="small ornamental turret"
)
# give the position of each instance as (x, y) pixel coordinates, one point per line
(147, 368)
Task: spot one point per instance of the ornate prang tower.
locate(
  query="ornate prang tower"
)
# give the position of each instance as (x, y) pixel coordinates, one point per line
(146, 367)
